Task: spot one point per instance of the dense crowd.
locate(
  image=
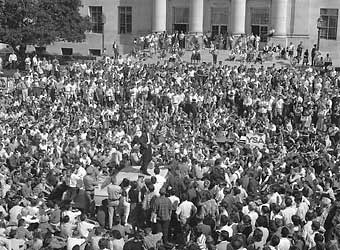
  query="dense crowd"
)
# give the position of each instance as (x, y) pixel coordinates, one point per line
(251, 153)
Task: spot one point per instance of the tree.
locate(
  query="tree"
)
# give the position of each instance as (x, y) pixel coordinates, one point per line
(41, 22)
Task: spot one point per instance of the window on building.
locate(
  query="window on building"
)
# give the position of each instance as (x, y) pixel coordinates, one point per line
(181, 19)
(219, 21)
(67, 51)
(125, 20)
(260, 22)
(94, 52)
(330, 23)
(96, 18)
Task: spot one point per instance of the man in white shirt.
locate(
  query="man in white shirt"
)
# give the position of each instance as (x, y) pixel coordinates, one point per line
(85, 227)
(284, 240)
(13, 214)
(160, 180)
(12, 59)
(251, 213)
(289, 211)
(71, 214)
(73, 182)
(185, 210)
(75, 240)
(81, 171)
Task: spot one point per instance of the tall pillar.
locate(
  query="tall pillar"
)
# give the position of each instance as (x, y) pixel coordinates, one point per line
(196, 16)
(238, 17)
(159, 16)
(280, 17)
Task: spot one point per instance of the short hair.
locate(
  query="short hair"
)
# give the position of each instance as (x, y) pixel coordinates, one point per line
(275, 240)
(246, 219)
(83, 217)
(156, 170)
(103, 243)
(261, 221)
(265, 209)
(309, 216)
(285, 232)
(296, 220)
(185, 197)
(316, 225)
(236, 242)
(66, 219)
(258, 235)
(116, 234)
(151, 187)
(76, 247)
(224, 220)
(21, 222)
(288, 201)
(318, 237)
(153, 180)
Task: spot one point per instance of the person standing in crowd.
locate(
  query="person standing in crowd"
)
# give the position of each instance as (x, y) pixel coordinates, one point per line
(145, 147)
(162, 210)
(114, 195)
(291, 49)
(299, 51)
(115, 50)
(181, 39)
(213, 52)
(328, 61)
(313, 54)
(13, 60)
(305, 57)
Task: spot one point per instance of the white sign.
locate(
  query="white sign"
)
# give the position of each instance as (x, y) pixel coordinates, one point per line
(255, 140)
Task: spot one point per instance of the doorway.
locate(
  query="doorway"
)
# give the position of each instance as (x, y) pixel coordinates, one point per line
(260, 30)
(218, 29)
(180, 27)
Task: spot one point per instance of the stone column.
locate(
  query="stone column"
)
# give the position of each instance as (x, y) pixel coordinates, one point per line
(196, 16)
(159, 16)
(238, 17)
(279, 17)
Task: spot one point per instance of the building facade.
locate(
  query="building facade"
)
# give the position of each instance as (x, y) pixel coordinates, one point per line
(123, 20)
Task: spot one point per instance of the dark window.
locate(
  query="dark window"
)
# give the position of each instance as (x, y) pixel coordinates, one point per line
(96, 17)
(67, 51)
(94, 52)
(125, 20)
(329, 23)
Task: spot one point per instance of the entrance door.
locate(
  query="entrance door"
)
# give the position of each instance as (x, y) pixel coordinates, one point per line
(255, 29)
(218, 30)
(260, 30)
(181, 27)
(223, 29)
(215, 29)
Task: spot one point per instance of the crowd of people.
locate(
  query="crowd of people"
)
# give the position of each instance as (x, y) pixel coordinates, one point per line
(251, 48)
(252, 155)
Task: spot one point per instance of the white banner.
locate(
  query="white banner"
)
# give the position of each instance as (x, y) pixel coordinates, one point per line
(254, 140)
